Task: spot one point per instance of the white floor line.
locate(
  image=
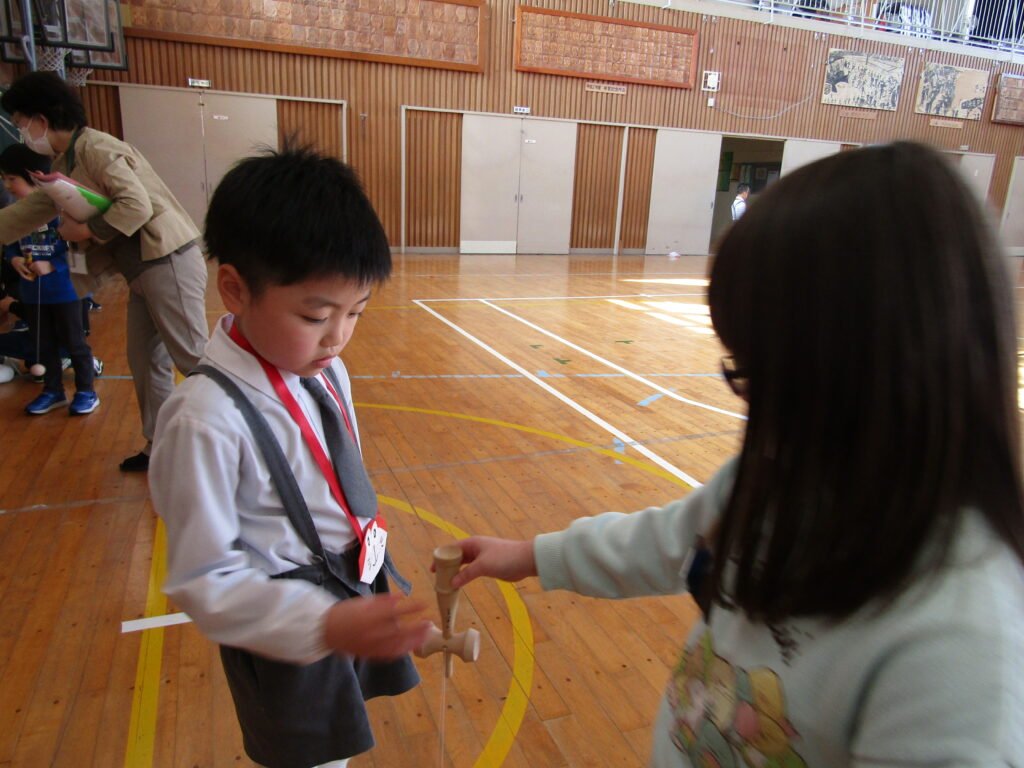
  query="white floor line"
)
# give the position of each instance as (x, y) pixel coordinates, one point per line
(671, 469)
(152, 622)
(615, 366)
(561, 298)
(75, 504)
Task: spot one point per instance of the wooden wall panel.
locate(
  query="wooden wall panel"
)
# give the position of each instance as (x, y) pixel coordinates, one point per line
(636, 196)
(429, 33)
(596, 189)
(315, 123)
(103, 109)
(772, 79)
(433, 178)
(555, 42)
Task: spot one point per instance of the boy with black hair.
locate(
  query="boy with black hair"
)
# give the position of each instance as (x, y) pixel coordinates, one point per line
(739, 205)
(48, 300)
(275, 546)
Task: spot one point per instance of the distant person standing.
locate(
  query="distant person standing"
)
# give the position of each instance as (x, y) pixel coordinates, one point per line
(739, 205)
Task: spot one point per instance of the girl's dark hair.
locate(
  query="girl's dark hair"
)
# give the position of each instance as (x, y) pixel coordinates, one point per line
(46, 94)
(867, 305)
(283, 217)
(19, 160)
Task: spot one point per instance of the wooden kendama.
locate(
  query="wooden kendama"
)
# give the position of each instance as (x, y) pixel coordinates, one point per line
(465, 645)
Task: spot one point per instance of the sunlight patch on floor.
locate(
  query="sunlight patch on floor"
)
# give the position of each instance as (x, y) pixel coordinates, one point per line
(693, 317)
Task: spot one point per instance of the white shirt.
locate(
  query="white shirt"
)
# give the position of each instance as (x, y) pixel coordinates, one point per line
(226, 529)
(739, 207)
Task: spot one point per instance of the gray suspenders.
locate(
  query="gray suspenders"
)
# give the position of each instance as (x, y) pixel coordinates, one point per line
(344, 566)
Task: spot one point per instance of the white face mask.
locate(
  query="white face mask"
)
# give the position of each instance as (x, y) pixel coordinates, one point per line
(40, 145)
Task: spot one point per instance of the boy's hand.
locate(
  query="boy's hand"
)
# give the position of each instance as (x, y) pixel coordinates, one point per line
(505, 559)
(41, 267)
(22, 268)
(378, 627)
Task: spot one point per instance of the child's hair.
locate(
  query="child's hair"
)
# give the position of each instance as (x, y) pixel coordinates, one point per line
(46, 94)
(742, 187)
(283, 217)
(866, 303)
(19, 160)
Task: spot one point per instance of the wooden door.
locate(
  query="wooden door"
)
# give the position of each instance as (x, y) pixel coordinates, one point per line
(236, 126)
(1012, 228)
(546, 175)
(683, 192)
(977, 172)
(489, 202)
(166, 124)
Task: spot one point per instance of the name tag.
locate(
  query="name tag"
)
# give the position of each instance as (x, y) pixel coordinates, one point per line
(371, 558)
(76, 262)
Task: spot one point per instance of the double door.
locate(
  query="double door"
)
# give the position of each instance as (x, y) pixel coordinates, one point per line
(192, 137)
(517, 185)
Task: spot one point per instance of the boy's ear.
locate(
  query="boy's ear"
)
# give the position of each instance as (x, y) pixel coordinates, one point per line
(234, 291)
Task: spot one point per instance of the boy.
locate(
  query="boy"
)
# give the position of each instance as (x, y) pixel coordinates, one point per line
(299, 248)
(48, 299)
(739, 205)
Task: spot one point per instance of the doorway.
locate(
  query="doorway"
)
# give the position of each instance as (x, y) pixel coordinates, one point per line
(757, 162)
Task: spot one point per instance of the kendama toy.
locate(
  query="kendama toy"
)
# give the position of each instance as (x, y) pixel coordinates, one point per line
(465, 645)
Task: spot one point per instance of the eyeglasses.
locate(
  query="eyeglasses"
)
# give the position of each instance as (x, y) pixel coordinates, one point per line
(735, 376)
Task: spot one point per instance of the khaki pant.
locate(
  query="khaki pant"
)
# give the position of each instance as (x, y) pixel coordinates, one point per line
(166, 322)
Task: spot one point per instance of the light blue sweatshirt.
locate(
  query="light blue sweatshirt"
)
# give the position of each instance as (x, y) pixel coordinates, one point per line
(937, 679)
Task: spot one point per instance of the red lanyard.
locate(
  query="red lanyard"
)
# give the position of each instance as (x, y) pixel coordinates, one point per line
(308, 435)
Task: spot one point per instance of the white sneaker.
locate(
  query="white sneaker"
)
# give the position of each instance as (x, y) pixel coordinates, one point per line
(7, 372)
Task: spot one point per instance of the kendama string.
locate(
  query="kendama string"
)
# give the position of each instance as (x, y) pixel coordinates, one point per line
(39, 315)
(444, 692)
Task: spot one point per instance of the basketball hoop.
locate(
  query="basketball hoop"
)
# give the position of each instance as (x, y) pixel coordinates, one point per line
(76, 76)
(51, 59)
(56, 60)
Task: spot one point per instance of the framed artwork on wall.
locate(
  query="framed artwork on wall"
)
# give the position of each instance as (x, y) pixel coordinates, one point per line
(1008, 104)
(865, 80)
(950, 91)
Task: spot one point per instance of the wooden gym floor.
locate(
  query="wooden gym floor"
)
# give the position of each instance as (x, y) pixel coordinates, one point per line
(496, 395)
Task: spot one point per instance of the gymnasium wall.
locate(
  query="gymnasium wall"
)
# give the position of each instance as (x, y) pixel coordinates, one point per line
(772, 84)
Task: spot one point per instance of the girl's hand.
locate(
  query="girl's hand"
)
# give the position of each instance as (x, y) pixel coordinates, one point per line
(41, 267)
(73, 231)
(378, 627)
(505, 559)
(22, 268)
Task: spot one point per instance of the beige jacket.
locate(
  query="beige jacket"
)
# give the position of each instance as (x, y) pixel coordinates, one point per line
(141, 201)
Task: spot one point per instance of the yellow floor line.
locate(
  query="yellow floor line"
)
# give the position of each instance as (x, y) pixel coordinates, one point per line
(142, 728)
(514, 709)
